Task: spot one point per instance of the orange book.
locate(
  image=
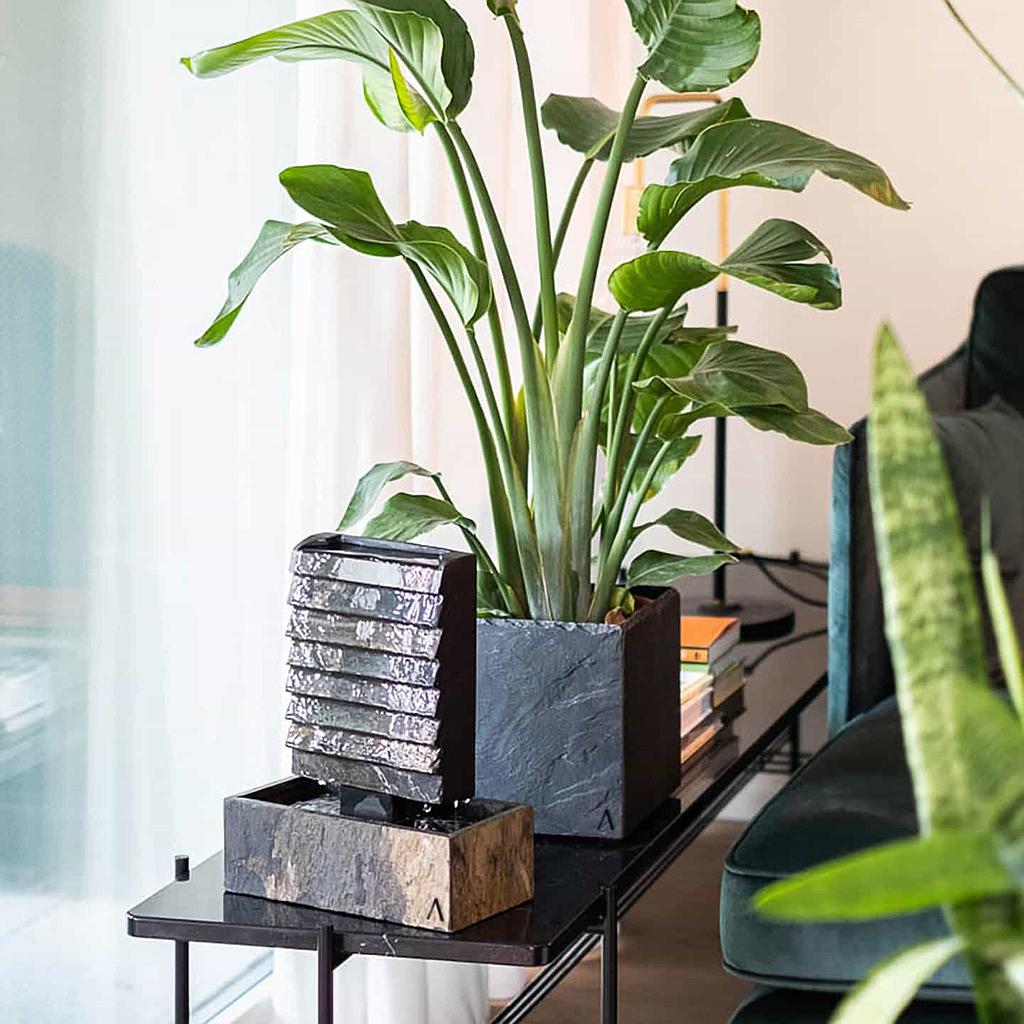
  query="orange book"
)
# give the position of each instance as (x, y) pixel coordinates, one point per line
(705, 638)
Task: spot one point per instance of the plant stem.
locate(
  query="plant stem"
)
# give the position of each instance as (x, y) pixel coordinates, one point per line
(627, 403)
(569, 374)
(583, 465)
(986, 52)
(609, 571)
(483, 556)
(542, 217)
(563, 228)
(498, 497)
(513, 481)
(546, 469)
(613, 515)
(480, 251)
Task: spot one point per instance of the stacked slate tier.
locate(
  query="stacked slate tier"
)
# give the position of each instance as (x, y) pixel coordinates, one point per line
(382, 667)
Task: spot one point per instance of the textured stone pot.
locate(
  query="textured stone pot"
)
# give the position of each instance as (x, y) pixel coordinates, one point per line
(580, 720)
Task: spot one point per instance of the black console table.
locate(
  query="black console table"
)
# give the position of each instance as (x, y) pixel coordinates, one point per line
(583, 887)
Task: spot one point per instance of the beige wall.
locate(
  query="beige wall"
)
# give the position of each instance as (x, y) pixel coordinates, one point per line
(898, 82)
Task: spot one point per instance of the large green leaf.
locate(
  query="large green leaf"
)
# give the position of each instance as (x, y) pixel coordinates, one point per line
(774, 257)
(758, 153)
(408, 516)
(888, 990)
(734, 375)
(897, 878)
(342, 35)
(588, 126)
(275, 239)
(434, 45)
(659, 569)
(695, 45)
(347, 200)
(810, 426)
(691, 526)
(372, 482)
(659, 279)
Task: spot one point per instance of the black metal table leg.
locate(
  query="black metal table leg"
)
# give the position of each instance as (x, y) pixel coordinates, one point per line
(610, 959)
(325, 976)
(181, 1007)
(794, 745)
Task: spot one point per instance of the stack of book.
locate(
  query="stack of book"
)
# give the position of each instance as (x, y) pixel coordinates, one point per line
(711, 690)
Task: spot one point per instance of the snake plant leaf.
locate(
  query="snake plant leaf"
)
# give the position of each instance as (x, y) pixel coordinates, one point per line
(1003, 626)
(658, 279)
(587, 126)
(434, 45)
(340, 35)
(809, 427)
(903, 877)
(372, 482)
(774, 257)
(691, 526)
(659, 569)
(734, 374)
(274, 240)
(347, 200)
(695, 45)
(408, 516)
(889, 988)
(758, 153)
(933, 622)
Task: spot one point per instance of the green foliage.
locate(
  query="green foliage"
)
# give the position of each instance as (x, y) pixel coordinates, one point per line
(694, 45)
(965, 747)
(588, 126)
(755, 153)
(631, 382)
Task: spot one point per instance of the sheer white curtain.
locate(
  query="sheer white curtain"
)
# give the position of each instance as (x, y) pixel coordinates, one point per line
(162, 487)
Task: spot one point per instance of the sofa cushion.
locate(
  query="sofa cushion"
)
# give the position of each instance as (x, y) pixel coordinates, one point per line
(984, 452)
(996, 345)
(856, 793)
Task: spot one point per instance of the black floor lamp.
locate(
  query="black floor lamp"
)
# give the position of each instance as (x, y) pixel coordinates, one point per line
(759, 619)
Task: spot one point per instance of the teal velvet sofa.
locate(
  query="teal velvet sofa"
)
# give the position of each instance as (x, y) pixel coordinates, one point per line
(856, 792)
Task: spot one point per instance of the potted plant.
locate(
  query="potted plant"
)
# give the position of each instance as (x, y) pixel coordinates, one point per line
(965, 746)
(576, 715)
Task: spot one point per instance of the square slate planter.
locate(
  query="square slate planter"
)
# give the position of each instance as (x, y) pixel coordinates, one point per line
(581, 720)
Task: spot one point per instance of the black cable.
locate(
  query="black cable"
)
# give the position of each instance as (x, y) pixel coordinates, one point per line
(750, 666)
(814, 602)
(819, 570)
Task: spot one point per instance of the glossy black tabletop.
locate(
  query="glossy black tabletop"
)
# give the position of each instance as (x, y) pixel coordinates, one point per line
(571, 876)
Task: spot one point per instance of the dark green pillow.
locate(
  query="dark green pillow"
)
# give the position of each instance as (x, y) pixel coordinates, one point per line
(984, 450)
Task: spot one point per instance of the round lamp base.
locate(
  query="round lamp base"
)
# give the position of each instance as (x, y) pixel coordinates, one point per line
(759, 620)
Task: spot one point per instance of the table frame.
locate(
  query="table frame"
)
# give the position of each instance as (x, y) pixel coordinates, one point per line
(602, 926)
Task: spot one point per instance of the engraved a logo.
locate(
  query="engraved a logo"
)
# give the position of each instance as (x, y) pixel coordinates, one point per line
(435, 908)
(606, 824)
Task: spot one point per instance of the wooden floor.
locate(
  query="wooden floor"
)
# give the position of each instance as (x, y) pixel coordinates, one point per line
(670, 968)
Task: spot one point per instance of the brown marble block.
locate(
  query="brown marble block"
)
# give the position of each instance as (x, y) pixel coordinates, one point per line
(288, 842)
